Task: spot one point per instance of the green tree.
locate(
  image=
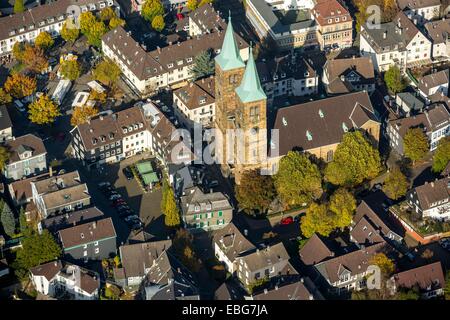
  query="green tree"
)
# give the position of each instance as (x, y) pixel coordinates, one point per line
(396, 184)
(394, 80)
(343, 205)
(23, 223)
(107, 14)
(407, 294)
(318, 219)
(107, 72)
(441, 156)
(298, 180)
(192, 4)
(415, 144)
(43, 111)
(70, 69)
(8, 220)
(17, 50)
(4, 157)
(69, 31)
(183, 244)
(87, 20)
(158, 23)
(112, 292)
(355, 160)
(171, 213)
(152, 9)
(36, 249)
(256, 192)
(115, 22)
(447, 286)
(19, 6)
(203, 65)
(5, 97)
(95, 34)
(44, 40)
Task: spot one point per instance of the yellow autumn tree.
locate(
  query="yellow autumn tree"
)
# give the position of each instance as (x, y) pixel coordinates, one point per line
(44, 40)
(19, 85)
(43, 111)
(82, 115)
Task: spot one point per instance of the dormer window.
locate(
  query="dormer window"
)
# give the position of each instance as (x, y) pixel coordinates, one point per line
(141, 125)
(111, 135)
(283, 75)
(275, 77)
(197, 208)
(94, 141)
(124, 130)
(103, 138)
(202, 100)
(344, 127)
(308, 135)
(321, 114)
(130, 128)
(189, 59)
(170, 65)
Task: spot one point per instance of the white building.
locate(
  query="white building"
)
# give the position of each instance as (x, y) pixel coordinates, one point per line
(431, 86)
(421, 10)
(438, 32)
(398, 43)
(431, 200)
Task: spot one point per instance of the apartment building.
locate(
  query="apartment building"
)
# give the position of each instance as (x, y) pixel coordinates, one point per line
(421, 10)
(148, 71)
(50, 17)
(434, 86)
(431, 200)
(398, 43)
(205, 20)
(60, 194)
(438, 32)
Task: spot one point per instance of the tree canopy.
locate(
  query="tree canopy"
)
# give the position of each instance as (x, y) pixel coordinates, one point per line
(355, 160)
(343, 205)
(203, 65)
(152, 9)
(256, 192)
(34, 59)
(442, 155)
(19, 6)
(8, 220)
(5, 97)
(44, 40)
(92, 28)
(396, 184)
(19, 85)
(394, 80)
(298, 180)
(4, 156)
(415, 144)
(69, 31)
(318, 219)
(70, 69)
(107, 72)
(82, 114)
(169, 206)
(388, 10)
(158, 23)
(43, 111)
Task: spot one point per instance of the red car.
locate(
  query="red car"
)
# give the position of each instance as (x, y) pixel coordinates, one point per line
(286, 221)
(180, 16)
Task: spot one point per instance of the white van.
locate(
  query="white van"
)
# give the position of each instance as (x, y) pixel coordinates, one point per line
(19, 105)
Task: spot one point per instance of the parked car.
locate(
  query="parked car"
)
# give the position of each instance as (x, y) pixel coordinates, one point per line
(131, 217)
(19, 105)
(104, 184)
(122, 207)
(115, 197)
(127, 173)
(118, 203)
(180, 16)
(126, 213)
(213, 184)
(286, 221)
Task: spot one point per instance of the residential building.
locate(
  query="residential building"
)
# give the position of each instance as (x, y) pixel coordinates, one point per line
(168, 279)
(185, 178)
(229, 244)
(205, 20)
(205, 211)
(431, 200)
(55, 194)
(60, 279)
(230, 290)
(136, 5)
(334, 25)
(434, 84)
(112, 137)
(89, 241)
(5, 124)
(347, 75)
(148, 71)
(420, 10)
(408, 104)
(28, 157)
(438, 31)
(268, 262)
(398, 43)
(302, 288)
(435, 123)
(194, 104)
(323, 124)
(136, 260)
(288, 75)
(348, 271)
(275, 21)
(62, 221)
(429, 279)
(50, 17)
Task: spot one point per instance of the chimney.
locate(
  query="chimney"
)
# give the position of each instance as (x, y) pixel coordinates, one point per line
(276, 287)
(385, 34)
(56, 263)
(246, 232)
(265, 291)
(50, 171)
(302, 280)
(432, 184)
(94, 225)
(311, 297)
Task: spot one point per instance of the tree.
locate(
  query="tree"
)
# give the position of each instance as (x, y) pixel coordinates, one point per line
(34, 58)
(447, 286)
(355, 160)
(87, 19)
(4, 157)
(192, 4)
(318, 219)
(394, 80)
(23, 223)
(70, 69)
(203, 65)
(298, 180)
(407, 294)
(115, 22)
(107, 14)
(152, 9)
(17, 50)
(427, 254)
(107, 72)
(256, 192)
(158, 23)
(8, 220)
(43, 111)
(183, 247)
(385, 264)
(69, 31)
(415, 144)
(44, 40)
(5, 97)
(36, 250)
(343, 205)
(19, 6)
(82, 114)
(97, 96)
(95, 34)
(19, 85)
(396, 184)
(171, 213)
(441, 156)
(112, 292)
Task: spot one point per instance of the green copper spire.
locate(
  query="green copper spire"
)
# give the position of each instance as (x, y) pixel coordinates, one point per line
(250, 89)
(229, 57)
